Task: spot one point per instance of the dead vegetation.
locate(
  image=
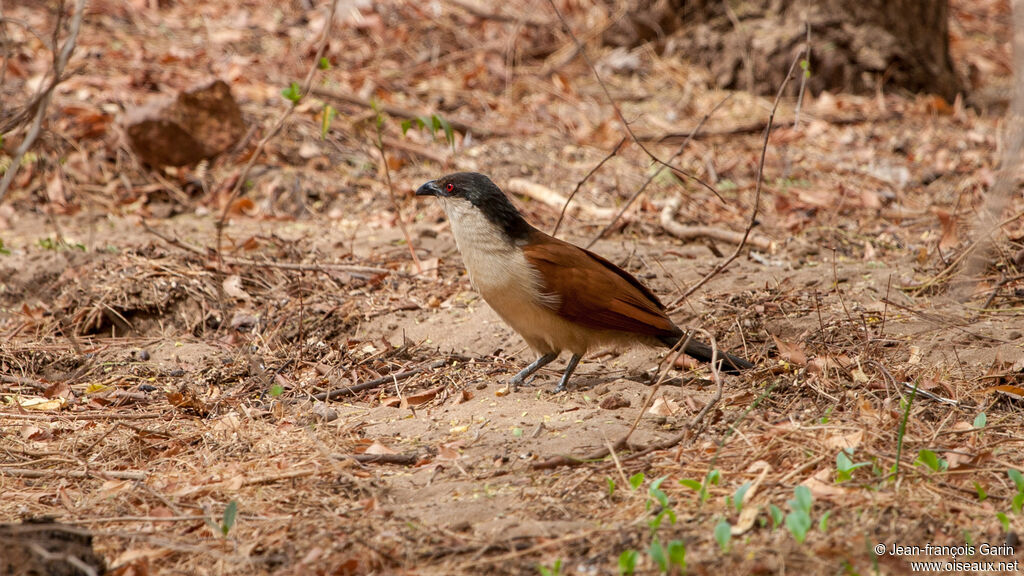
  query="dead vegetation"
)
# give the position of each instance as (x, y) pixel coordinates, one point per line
(157, 367)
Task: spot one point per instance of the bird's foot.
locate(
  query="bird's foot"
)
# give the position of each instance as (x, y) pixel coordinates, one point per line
(515, 383)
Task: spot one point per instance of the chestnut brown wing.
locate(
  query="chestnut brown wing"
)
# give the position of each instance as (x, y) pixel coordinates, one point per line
(594, 292)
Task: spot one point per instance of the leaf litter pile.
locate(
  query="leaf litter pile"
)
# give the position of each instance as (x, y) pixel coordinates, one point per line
(326, 393)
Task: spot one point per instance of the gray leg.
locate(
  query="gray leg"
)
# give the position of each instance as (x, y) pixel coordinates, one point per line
(568, 372)
(537, 365)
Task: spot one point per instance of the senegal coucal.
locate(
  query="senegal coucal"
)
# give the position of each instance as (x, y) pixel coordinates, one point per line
(557, 296)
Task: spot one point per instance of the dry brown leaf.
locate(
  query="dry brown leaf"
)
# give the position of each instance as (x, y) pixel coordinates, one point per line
(950, 238)
(1009, 390)
(663, 407)
(233, 287)
(821, 485)
(791, 351)
(448, 451)
(848, 441)
(378, 449)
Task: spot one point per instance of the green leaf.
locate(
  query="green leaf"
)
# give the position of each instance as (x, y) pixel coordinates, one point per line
(1017, 478)
(657, 553)
(1004, 520)
(3, 250)
(324, 63)
(292, 93)
(737, 498)
(627, 562)
(823, 523)
(845, 466)
(449, 134)
(677, 554)
(691, 484)
(230, 514)
(655, 491)
(776, 513)
(723, 532)
(798, 522)
(931, 460)
(1018, 503)
(276, 390)
(982, 494)
(980, 420)
(406, 124)
(803, 500)
(611, 486)
(636, 480)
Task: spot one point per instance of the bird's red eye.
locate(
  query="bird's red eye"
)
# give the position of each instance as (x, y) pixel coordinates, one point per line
(449, 187)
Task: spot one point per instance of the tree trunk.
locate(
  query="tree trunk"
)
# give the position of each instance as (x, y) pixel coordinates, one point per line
(856, 45)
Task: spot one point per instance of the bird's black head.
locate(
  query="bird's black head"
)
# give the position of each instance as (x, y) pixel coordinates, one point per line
(484, 195)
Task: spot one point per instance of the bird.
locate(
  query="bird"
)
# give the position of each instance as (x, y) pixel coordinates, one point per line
(557, 296)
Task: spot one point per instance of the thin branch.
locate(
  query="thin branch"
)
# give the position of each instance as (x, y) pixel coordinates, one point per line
(618, 112)
(406, 113)
(305, 89)
(585, 178)
(60, 61)
(757, 189)
(678, 152)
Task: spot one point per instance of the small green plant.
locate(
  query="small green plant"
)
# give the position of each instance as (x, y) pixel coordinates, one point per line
(324, 63)
(710, 479)
(980, 420)
(276, 390)
(434, 123)
(1004, 520)
(776, 513)
(627, 562)
(293, 93)
(58, 244)
(674, 554)
(931, 460)
(736, 500)
(895, 470)
(3, 250)
(827, 416)
(982, 494)
(723, 533)
(658, 495)
(1018, 500)
(845, 466)
(554, 570)
(664, 555)
(798, 521)
(611, 486)
(228, 520)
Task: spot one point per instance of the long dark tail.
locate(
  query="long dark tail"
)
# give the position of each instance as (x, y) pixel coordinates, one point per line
(730, 363)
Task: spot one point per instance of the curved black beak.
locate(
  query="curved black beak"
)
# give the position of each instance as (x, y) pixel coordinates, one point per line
(429, 189)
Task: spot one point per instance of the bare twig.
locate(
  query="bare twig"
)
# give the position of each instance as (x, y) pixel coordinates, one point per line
(350, 390)
(30, 473)
(305, 89)
(400, 112)
(593, 170)
(42, 101)
(757, 190)
(678, 152)
(615, 107)
(684, 232)
(379, 143)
